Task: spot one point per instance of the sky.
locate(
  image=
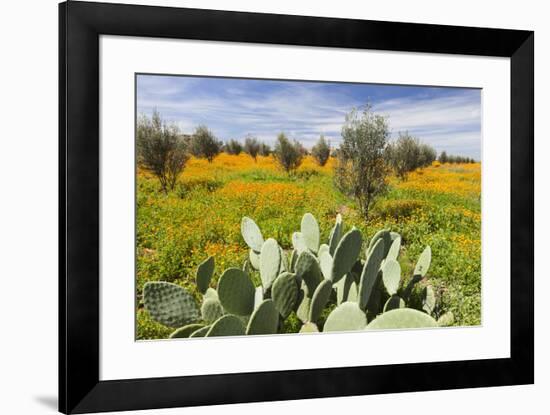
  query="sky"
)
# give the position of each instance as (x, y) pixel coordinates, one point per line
(449, 119)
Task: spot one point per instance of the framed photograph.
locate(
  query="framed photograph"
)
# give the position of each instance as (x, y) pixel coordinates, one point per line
(260, 207)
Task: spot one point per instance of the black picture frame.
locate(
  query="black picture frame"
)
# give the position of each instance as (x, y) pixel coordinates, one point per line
(80, 26)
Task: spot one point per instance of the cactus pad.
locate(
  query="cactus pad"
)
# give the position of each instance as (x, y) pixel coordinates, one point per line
(325, 262)
(346, 254)
(401, 318)
(343, 287)
(264, 320)
(309, 328)
(323, 248)
(335, 234)
(347, 316)
(446, 319)
(284, 293)
(310, 230)
(227, 325)
(170, 304)
(308, 270)
(200, 332)
(251, 234)
(423, 262)
(211, 310)
(369, 276)
(185, 331)
(205, 270)
(391, 275)
(393, 253)
(299, 242)
(394, 302)
(428, 301)
(303, 309)
(258, 296)
(210, 293)
(236, 292)
(254, 259)
(385, 236)
(319, 300)
(270, 262)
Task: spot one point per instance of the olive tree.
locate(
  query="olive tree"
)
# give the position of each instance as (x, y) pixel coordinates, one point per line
(161, 149)
(233, 147)
(204, 144)
(321, 151)
(251, 146)
(289, 154)
(361, 170)
(265, 150)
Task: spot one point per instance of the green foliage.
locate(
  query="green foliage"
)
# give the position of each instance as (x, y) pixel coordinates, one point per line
(252, 147)
(407, 154)
(204, 144)
(361, 170)
(289, 154)
(321, 151)
(233, 147)
(161, 150)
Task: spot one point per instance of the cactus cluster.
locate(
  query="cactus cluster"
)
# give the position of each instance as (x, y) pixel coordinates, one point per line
(362, 292)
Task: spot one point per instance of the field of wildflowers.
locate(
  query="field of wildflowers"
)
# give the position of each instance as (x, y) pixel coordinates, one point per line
(437, 206)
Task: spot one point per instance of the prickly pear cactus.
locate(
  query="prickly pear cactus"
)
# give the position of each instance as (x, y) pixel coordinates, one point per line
(391, 275)
(346, 254)
(310, 231)
(319, 300)
(402, 318)
(185, 331)
(347, 316)
(251, 234)
(284, 293)
(394, 302)
(309, 270)
(303, 308)
(200, 332)
(383, 235)
(423, 262)
(323, 248)
(343, 288)
(227, 325)
(309, 328)
(170, 304)
(428, 302)
(325, 262)
(264, 320)
(236, 292)
(369, 276)
(446, 319)
(299, 242)
(254, 259)
(205, 270)
(211, 310)
(336, 234)
(270, 262)
(393, 253)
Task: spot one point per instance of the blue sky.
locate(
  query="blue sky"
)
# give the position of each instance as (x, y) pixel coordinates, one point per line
(447, 118)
